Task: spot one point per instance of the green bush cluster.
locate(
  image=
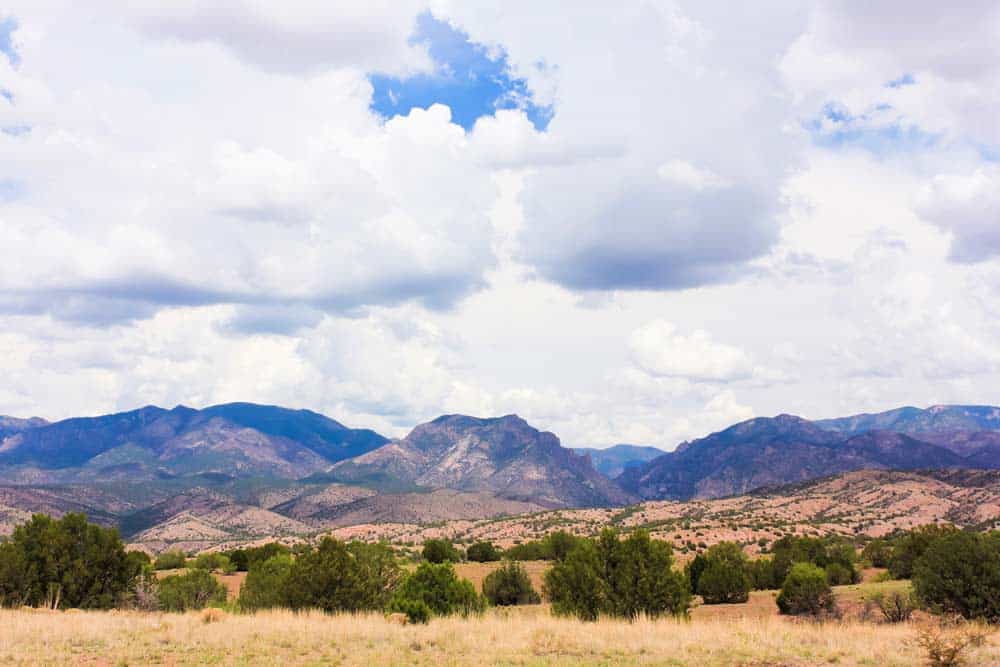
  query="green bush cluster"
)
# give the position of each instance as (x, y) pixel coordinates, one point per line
(959, 573)
(195, 589)
(721, 575)
(242, 559)
(908, 547)
(554, 546)
(617, 577)
(66, 563)
(213, 562)
(171, 560)
(836, 556)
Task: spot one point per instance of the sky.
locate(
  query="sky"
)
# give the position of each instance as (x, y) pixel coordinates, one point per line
(626, 222)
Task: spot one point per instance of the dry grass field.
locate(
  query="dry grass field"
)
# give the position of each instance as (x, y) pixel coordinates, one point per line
(498, 638)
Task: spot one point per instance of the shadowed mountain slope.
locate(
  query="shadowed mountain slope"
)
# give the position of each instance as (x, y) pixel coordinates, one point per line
(779, 450)
(239, 439)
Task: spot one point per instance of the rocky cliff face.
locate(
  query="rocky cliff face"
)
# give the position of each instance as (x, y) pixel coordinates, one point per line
(502, 455)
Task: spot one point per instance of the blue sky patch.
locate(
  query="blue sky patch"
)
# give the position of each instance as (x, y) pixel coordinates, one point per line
(470, 78)
(7, 28)
(10, 190)
(875, 130)
(905, 80)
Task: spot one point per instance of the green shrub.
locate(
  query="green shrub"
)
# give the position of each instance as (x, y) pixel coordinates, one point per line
(554, 546)
(806, 591)
(509, 585)
(440, 551)
(910, 546)
(838, 575)
(342, 577)
(170, 560)
(896, 607)
(416, 611)
(878, 552)
(243, 559)
(483, 552)
(724, 578)
(266, 585)
(438, 587)
(65, 563)
(762, 575)
(959, 573)
(527, 551)
(694, 569)
(618, 578)
(213, 562)
(196, 589)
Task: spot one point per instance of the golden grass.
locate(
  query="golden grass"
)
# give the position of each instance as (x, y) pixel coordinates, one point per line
(498, 638)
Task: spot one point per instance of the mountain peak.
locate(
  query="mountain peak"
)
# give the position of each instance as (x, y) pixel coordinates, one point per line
(503, 455)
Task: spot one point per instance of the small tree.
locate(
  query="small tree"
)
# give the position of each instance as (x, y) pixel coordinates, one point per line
(437, 586)
(575, 585)
(694, 569)
(896, 607)
(878, 552)
(806, 591)
(762, 577)
(171, 560)
(440, 551)
(195, 589)
(509, 585)
(483, 552)
(724, 578)
(838, 575)
(266, 585)
(959, 573)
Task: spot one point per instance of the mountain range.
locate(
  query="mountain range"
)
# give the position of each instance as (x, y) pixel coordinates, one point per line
(241, 471)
